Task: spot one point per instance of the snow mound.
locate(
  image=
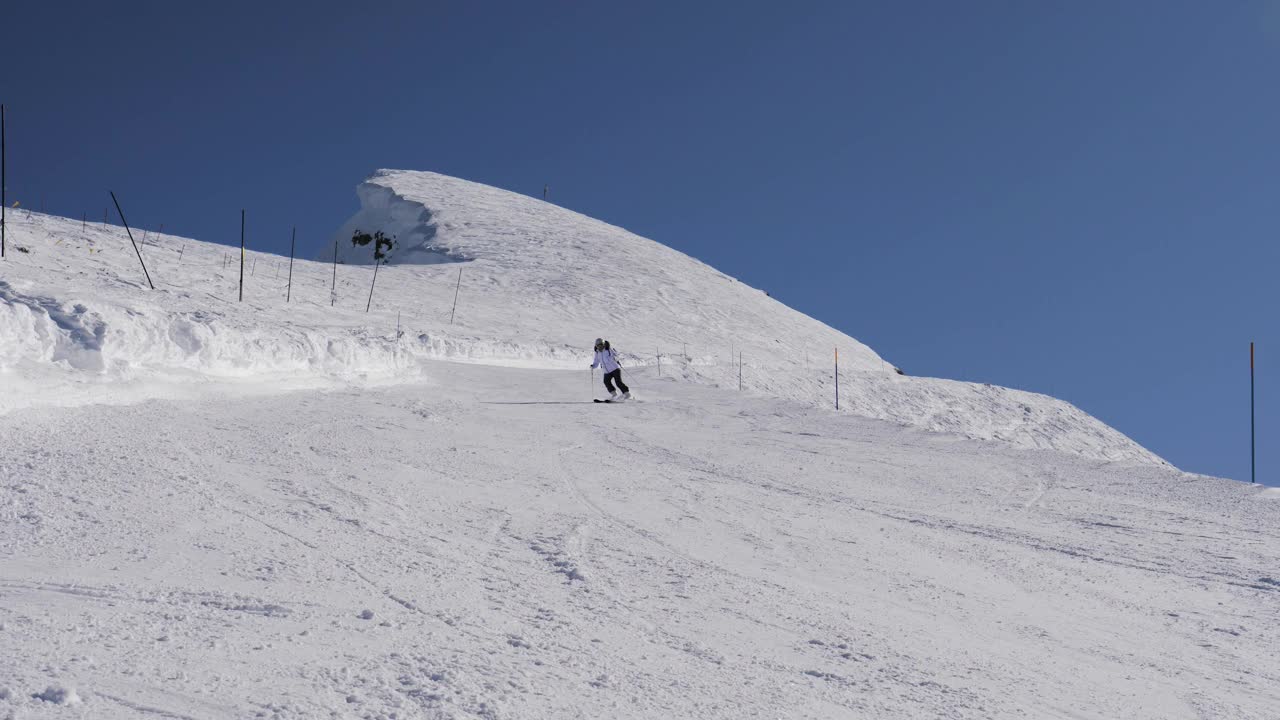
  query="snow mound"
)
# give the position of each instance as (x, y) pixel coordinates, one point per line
(58, 695)
(402, 232)
(465, 272)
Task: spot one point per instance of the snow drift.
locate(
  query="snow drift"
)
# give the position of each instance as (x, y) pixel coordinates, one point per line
(535, 284)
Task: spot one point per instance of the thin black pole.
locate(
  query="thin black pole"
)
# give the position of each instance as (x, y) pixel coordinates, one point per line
(333, 292)
(242, 255)
(455, 296)
(837, 378)
(135, 244)
(293, 239)
(4, 198)
(1253, 453)
(372, 284)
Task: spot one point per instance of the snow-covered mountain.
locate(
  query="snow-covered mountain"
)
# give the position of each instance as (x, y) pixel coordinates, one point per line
(535, 285)
(292, 510)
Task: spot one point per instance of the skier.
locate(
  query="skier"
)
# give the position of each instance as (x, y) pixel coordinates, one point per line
(607, 360)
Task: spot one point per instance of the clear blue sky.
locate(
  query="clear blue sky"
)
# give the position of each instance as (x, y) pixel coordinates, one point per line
(1078, 198)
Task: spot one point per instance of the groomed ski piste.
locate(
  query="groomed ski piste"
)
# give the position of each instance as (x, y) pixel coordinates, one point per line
(223, 509)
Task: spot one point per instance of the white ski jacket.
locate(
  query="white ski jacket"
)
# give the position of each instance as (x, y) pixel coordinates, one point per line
(607, 360)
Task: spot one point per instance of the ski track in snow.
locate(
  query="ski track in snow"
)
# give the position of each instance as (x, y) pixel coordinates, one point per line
(416, 552)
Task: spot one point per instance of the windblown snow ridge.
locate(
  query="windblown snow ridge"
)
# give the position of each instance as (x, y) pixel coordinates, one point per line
(387, 229)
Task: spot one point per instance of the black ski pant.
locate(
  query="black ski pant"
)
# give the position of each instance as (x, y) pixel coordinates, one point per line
(615, 377)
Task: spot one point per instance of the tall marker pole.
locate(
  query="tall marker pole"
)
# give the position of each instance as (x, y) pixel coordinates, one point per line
(455, 297)
(1253, 455)
(4, 199)
(135, 244)
(293, 239)
(375, 282)
(242, 256)
(333, 291)
(837, 378)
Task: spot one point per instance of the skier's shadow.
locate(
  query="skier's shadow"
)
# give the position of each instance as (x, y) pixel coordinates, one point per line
(536, 402)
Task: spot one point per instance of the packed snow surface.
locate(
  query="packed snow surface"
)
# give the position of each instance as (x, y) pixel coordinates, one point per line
(458, 549)
(534, 284)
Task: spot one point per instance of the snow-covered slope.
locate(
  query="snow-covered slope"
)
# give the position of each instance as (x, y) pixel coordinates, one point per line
(535, 284)
(319, 512)
(437, 551)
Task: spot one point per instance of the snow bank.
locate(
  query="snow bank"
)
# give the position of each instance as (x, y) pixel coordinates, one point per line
(534, 283)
